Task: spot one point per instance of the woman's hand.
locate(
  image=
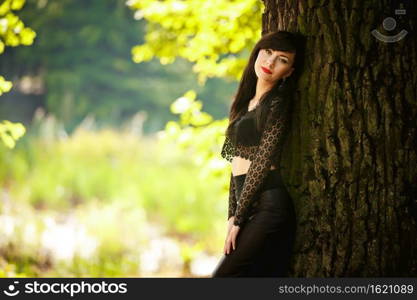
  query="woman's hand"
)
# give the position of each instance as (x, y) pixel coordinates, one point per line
(232, 233)
(231, 220)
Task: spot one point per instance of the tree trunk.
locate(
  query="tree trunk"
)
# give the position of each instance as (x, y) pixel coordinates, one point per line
(350, 161)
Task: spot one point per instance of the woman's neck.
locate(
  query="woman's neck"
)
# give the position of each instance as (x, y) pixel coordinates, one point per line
(261, 88)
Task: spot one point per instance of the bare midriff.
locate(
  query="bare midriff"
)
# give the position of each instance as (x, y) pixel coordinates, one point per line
(241, 166)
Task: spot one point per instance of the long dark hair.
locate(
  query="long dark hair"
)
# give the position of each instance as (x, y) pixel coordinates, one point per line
(278, 40)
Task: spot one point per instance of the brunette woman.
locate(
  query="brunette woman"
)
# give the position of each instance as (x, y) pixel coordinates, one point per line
(261, 217)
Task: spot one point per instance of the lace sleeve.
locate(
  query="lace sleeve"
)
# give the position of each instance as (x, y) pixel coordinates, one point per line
(232, 198)
(227, 151)
(271, 140)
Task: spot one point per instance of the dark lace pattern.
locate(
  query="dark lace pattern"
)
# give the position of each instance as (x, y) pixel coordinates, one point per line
(262, 156)
(232, 198)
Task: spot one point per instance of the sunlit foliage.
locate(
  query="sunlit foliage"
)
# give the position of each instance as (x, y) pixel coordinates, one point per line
(85, 67)
(196, 133)
(13, 33)
(10, 132)
(212, 34)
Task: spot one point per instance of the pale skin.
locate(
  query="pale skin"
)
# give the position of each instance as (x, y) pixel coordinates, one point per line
(280, 64)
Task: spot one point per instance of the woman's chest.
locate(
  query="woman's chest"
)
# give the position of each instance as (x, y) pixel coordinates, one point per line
(246, 130)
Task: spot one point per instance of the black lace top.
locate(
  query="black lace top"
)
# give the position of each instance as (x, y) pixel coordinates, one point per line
(262, 149)
(245, 131)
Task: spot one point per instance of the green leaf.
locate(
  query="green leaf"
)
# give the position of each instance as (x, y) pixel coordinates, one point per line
(11, 132)
(5, 86)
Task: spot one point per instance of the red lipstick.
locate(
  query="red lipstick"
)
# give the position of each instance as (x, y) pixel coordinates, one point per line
(266, 70)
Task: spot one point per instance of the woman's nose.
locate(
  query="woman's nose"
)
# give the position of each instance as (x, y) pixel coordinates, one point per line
(270, 63)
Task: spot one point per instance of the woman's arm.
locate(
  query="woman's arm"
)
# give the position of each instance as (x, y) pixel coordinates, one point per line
(272, 137)
(232, 198)
(227, 151)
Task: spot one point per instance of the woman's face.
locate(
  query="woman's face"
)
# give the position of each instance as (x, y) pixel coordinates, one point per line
(272, 65)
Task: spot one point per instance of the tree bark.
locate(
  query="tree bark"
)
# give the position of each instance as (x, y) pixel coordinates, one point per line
(350, 161)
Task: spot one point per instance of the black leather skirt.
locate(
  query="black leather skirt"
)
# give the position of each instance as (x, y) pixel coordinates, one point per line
(264, 243)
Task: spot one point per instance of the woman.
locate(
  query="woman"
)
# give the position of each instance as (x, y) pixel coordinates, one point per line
(261, 215)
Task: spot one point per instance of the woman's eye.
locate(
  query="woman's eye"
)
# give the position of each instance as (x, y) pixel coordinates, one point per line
(283, 61)
(268, 51)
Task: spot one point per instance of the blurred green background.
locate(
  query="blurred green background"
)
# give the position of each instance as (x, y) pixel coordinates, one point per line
(112, 119)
